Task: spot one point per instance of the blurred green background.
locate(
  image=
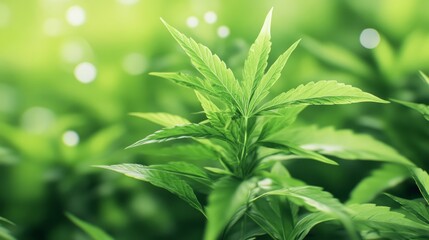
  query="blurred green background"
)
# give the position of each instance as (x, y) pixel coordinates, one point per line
(72, 70)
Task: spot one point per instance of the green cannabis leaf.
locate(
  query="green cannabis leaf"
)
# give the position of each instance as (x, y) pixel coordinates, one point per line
(94, 232)
(244, 138)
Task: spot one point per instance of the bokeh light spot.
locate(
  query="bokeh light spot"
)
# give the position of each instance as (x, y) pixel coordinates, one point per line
(4, 15)
(128, 2)
(76, 16)
(37, 119)
(134, 63)
(52, 27)
(210, 17)
(85, 72)
(369, 38)
(192, 22)
(71, 138)
(72, 52)
(223, 31)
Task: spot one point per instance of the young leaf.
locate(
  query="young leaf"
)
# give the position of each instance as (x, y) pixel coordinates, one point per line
(344, 144)
(163, 119)
(210, 66)
(421, 108)
(256, 62)
(314, 198)
(388, 176)
(179, 132)
(421, 178)
(381, 220)
(418, 209)
(228, 196)
(167, 177)
(320, 93)
(271, 77)
(94, 232)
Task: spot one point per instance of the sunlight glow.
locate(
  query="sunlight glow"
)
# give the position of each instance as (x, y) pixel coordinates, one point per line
(85, 72)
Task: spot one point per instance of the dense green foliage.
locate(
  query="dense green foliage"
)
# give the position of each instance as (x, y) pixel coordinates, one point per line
(59, 120)
(249, 137)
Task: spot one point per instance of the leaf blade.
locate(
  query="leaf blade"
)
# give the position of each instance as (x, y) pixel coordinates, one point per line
(94, 232)
(320, 93)
(159, 177)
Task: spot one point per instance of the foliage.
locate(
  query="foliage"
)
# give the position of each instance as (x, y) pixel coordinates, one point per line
(247, 135)
(93, 231)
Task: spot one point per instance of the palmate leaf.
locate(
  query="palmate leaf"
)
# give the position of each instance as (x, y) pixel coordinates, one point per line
(416, 208)
(271, 77)
(256, 62)
(180, 132)
(169, 177)
(421, 108)
(344, 144)
(163, 119)
(315, 199)
(388, 176)
(94, 232)
(382, 220)
(211, 67)
(320, 93)
(229, 196)
(421, 178)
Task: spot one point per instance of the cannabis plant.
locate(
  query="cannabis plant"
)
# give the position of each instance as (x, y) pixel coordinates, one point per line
(248, 136)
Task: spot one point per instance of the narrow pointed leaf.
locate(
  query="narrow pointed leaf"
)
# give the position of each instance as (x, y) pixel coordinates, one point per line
(186, 80)
(271, 77)
(417, 208)
(210, 66)
(388, 176)
(256, 62)
(382, 220)
(168, 177)
(421, 178)
(320, 93)
(163, 119)
(424, 76)
(229, 196)
(421, 108)
(94, 232)
(306, 223)
(344, 144)
(179, 132)
(298, 151)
